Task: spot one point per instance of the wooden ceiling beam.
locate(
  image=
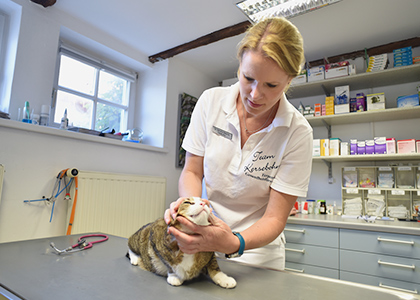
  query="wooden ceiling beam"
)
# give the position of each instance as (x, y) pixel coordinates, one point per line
(202, 41)
(386, 48)
(45, 3)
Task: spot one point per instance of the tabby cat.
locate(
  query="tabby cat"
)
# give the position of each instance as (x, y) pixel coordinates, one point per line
(154, 250)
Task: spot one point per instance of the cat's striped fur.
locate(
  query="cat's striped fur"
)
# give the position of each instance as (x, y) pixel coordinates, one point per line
(154, 250)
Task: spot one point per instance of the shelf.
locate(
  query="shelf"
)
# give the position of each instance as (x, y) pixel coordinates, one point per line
(76, 135)
(381, 189)
(368, 157)
(357, 82)
(390, 114)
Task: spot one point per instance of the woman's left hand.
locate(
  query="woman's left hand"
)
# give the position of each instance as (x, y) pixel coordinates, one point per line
(215, 237)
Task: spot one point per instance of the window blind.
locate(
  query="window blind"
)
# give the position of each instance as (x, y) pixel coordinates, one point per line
(103, 65)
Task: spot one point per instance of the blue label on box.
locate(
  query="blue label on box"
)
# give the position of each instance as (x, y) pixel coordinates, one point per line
(402, 49)
(406, 101)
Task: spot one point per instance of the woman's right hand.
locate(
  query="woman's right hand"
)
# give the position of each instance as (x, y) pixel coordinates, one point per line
(173, 209)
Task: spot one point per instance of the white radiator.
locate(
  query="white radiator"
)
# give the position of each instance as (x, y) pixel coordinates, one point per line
(117, 204)
(1, 179)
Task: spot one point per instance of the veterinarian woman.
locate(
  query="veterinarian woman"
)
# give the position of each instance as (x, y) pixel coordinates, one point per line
(254, 150)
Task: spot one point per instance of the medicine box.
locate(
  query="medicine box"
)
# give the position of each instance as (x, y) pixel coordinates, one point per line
(299, 79)
(344, 148)
(370, 147)
(375, 101)
(342, 99)
(316, 150)
(337, 72)
(318, 110)
(353, 147)
(325, 147)
(353, 105)
(361, 147)
(316, 74)
(406, 146)
(335, 146)
(360, 102)
(407, 101)
(391, 147)
(418, 146)
(342, 94)
(380, 145)
(329, 105)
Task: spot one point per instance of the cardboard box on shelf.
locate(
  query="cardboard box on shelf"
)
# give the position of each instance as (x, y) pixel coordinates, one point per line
(375, 101)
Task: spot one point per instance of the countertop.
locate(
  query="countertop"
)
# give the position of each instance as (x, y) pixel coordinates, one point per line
(335, 221)
(33, 270)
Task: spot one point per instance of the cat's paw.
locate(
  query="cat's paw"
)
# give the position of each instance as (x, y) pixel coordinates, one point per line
(134, 259)
(224, 281)
(174, 280)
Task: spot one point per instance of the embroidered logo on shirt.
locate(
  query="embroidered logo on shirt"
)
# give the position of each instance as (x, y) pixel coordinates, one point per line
(222, 133)
(260, 165)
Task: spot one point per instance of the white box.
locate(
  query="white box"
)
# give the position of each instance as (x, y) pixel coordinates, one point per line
(342, 95)
(344, 148)
(390, 146)
(299, 79)
(337, 72)
(316, 74)
(335, 147)
(406, 146)
(375, 101)
(342, 109)
(316, 151)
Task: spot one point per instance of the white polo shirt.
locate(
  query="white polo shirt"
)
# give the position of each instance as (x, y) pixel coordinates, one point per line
(238, 181)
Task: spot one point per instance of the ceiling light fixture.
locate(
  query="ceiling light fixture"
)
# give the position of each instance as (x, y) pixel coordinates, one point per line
(257, 10)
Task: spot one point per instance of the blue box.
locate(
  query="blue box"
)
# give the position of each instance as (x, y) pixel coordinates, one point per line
(407, 101)
(405, 49)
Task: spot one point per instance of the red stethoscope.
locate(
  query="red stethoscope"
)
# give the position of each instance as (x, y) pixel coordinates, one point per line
(82, 244)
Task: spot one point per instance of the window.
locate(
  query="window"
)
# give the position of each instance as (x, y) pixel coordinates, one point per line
(95, 95)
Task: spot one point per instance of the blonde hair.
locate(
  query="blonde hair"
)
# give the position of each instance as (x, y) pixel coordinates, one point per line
(278, 39)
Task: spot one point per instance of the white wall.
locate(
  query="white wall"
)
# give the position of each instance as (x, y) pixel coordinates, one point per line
(32, 160)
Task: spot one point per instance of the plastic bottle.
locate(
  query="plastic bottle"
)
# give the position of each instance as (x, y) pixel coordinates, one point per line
(64, 121)
(26, 117)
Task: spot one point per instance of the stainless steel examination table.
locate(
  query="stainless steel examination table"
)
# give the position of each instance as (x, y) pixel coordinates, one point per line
(32, 270)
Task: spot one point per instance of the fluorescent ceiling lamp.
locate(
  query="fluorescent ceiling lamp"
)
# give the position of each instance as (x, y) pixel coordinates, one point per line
(257, 10)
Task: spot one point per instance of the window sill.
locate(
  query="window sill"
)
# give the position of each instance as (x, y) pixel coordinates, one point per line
(76, 135)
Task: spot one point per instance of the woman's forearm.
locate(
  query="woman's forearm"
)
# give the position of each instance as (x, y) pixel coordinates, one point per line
(190, 181)
(189, 185)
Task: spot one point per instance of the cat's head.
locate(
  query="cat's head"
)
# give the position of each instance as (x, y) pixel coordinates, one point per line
(195, 210)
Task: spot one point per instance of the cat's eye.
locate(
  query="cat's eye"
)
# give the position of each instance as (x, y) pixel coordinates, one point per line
(187, 202)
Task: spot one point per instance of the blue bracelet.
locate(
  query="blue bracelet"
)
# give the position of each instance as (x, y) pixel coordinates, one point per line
(242, 241)
(241, 246)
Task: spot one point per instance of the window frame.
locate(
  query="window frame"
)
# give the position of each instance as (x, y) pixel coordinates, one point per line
(100, 65)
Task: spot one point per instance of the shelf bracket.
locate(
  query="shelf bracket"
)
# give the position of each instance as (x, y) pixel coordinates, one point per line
(328, 128)
(330, 177)
(327, 93)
